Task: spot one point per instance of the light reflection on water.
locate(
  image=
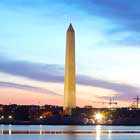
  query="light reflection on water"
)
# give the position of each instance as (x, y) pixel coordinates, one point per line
(10, 129)
(109, 135)
(98, 132)
(40, 126)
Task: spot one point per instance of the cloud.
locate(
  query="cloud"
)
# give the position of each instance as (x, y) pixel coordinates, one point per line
(123, 15)
(125, 91)
(28, 88)
(54, 73)
(124, 12)
(35, 71)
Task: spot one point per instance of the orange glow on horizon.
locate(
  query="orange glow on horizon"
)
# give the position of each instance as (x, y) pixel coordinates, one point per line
(19, 96)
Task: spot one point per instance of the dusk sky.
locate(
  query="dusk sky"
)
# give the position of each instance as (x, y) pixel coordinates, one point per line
(33, 42)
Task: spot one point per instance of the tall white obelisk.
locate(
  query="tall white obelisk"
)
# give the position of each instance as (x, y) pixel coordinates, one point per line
(69, 85)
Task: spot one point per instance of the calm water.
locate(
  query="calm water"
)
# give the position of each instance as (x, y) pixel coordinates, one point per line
(97, 136)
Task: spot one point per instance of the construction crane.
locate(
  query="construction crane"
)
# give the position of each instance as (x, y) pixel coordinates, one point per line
(110, 102)
(137, 101)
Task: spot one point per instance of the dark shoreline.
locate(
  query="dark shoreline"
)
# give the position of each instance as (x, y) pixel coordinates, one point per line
(54, 115)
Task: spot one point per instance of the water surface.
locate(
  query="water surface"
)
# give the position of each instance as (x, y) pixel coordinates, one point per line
(97, 136)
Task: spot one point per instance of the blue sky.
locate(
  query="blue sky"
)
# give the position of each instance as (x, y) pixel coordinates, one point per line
(32, 48)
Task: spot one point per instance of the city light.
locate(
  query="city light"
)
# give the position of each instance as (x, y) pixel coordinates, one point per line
(98, 117)
(10, 117)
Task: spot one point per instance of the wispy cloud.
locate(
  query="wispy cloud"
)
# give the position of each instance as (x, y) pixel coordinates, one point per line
(28, 88)
(124, 12)
(54, 73)
(123, 17)
(35, 71)
(121, 29)
(125, 91)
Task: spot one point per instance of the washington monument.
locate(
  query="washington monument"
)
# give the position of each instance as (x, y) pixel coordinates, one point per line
(69, 85)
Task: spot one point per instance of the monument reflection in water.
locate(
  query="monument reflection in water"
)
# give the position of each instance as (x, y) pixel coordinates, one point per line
(72, 136)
